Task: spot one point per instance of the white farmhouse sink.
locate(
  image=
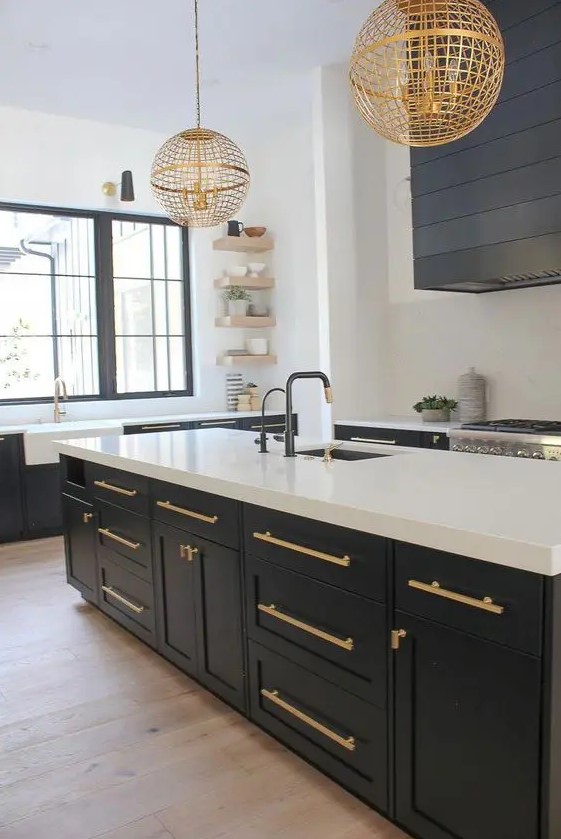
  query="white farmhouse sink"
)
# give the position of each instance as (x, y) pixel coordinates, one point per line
(38, 440)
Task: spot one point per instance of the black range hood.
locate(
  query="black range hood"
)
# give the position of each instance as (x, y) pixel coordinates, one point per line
(487, 209)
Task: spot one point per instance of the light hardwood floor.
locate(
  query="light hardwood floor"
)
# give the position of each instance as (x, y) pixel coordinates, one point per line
(100, 737)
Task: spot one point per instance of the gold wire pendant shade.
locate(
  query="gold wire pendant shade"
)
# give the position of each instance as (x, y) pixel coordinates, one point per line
(199, 177)
(427, 72)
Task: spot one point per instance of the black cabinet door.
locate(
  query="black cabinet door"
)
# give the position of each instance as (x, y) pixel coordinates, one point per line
(436, 440)
(11, 514)
(79, 546)
(219, 620)
(467, 735)
(174, 572)
(43, 508)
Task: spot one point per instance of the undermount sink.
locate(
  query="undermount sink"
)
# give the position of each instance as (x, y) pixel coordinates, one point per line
(343, 454)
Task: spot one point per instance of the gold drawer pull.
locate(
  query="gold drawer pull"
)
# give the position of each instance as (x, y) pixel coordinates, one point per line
(167, 505)
(130, 493)
(217, 422)
(188, 552)
(134, 546)
(273, 612)
(271, 425)
(346, 742)
(486, 604)
(159, 427)
(373, 441)
(116, 596)
(87, 517)
(343, 561)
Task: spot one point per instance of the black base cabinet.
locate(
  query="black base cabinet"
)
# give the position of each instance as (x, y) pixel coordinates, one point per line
(11, 511)
(467, 722)
(426, 683)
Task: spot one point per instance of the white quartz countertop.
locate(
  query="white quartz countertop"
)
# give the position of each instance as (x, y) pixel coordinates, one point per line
(403, 423)
(500, 510)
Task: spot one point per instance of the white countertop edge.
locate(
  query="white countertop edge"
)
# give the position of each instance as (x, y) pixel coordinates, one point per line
(535, 558)
(402, 424)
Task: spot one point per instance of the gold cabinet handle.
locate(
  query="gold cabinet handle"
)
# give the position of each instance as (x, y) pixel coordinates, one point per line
(273, 696)
(271, 425)
(104, 485)
(397, 636)
(343, 561)
(217, 422)
(167, 505)
(273, 612)
(159, 427)
(374, 442)
(134, 546)
(116, 596)
(486, 604)
(87, 517)
(188, 552)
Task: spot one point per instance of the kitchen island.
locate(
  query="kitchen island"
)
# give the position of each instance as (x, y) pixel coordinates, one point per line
(394, 620)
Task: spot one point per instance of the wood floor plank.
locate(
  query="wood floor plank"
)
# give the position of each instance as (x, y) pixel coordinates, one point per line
(102, 739)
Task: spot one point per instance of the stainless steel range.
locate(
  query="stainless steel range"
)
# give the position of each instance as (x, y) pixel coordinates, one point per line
(540, 440)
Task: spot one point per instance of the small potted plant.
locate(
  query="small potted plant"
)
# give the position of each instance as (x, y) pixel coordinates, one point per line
(237, 300)
(435, 408)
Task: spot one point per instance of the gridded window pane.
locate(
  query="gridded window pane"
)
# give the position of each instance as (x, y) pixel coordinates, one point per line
(26, 367)
(25, 302)
(178, 374)
(174, 253)
(135, 365)
(176, 311)
(133, 307)
(78, 358)
(76, 306)
(147, 250)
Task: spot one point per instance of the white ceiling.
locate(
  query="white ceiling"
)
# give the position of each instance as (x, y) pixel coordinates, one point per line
(131, 61)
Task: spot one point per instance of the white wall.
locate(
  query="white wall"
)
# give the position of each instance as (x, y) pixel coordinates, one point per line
(512, 337)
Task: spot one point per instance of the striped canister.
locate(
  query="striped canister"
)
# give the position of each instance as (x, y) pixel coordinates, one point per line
(472, 397)
(234, 386)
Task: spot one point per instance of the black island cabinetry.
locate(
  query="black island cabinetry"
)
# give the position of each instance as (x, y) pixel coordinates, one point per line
(426, 683)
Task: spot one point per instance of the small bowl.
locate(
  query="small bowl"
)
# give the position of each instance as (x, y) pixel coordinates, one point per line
(255, 232)
(238, 271)
(255, 268)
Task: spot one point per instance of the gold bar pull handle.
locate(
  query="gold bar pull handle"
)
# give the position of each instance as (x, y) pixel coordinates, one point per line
(134, 546)
(273, 696)
(373, 441)
(343, 561)
(175, 425)
(188, 552)
(486, 604)
(345, 644)
(119, 597)
(130, 493)
(167, 505)
(397, 637)
(87, 517)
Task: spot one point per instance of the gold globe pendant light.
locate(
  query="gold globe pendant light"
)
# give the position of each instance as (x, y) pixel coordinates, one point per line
(200, 178)
(427, 72)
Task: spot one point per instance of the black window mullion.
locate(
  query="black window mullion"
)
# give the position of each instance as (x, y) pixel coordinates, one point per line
(105, 306)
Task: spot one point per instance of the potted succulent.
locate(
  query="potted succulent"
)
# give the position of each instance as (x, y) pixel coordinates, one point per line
(435, 408)
(237, 300)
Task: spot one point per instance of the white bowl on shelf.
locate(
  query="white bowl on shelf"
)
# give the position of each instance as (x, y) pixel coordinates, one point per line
(238, 271)
(257, 346)
(256, 268)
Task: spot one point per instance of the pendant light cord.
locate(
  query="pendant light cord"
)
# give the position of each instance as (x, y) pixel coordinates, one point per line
(197, 59)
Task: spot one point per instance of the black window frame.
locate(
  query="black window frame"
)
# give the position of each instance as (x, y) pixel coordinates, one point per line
(105, 302)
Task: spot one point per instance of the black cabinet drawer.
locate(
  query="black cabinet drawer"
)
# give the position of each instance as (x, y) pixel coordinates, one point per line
(435, 440)
(124, 537)
(343, 735)
(127, 599)
(154, 427)
(210, 516)
(339, 636)
(122, 488)
(217, 423)
(345, 558)
(383, 436)
(501, 604)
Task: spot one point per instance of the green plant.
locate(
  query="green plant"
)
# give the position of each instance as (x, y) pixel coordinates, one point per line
(435, 403)
(13, 353)
(235, 292)
(250, 384)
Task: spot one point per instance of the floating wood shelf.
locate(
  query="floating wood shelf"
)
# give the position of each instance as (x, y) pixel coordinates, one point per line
(244, 244)
(239, 322)
(255, 283)
(233, 360)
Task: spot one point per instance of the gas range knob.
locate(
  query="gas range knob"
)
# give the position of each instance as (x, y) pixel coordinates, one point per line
(495, 450)
(470, 449)
(522, 453)
(457, 448)
(483, 450)
(538, 456)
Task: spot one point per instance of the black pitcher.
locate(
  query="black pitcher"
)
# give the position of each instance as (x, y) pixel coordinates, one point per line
(235, 228)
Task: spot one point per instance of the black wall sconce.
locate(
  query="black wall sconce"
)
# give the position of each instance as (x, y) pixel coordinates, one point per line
(127, 187)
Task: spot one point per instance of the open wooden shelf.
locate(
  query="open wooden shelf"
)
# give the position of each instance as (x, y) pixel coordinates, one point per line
(233, 360)
(240, 322)
(244, 244)
(255, 283)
